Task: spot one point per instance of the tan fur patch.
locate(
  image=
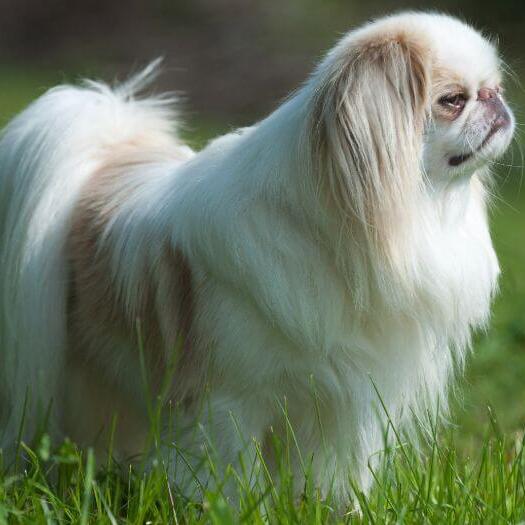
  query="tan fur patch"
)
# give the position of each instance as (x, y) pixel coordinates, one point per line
(371, 172)
(99, 320)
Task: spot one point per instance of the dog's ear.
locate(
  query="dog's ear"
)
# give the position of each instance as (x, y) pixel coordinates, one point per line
(369, 111)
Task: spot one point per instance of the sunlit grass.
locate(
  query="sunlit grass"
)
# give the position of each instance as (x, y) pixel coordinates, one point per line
(438, 486)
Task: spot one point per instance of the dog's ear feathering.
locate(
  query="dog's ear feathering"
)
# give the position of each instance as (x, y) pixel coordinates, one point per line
(369, 110)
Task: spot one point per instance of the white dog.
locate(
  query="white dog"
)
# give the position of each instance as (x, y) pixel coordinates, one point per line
(339, 246)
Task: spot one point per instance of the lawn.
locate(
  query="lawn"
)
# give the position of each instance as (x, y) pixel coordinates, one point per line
(471, 472)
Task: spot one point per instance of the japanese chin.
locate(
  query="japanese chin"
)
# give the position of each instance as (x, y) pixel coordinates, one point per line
(334, 255)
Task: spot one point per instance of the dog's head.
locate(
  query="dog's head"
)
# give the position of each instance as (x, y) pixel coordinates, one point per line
(410, 100)
(470, 123)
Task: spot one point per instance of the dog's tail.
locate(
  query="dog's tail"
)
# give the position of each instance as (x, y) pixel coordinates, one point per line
(46, 154)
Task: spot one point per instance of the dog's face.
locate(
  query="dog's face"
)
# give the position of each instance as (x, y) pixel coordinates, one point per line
(404, 103)
(470, 124)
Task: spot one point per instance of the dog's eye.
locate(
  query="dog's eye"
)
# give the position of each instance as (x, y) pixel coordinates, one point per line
(454, 101)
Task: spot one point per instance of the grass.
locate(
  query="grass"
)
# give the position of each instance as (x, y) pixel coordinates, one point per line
(471, 472)
(439, 486)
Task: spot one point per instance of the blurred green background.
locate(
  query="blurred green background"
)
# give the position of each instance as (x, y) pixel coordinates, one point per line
(232, 61)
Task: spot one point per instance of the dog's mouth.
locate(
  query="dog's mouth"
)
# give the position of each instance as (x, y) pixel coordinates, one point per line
(460, 159)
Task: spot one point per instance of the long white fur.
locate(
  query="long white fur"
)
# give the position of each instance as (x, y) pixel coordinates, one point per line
(300, 283)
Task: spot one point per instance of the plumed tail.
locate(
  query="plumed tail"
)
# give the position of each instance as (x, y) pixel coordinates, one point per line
(46, 155)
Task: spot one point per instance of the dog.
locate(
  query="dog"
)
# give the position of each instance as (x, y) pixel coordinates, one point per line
(322, 269)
